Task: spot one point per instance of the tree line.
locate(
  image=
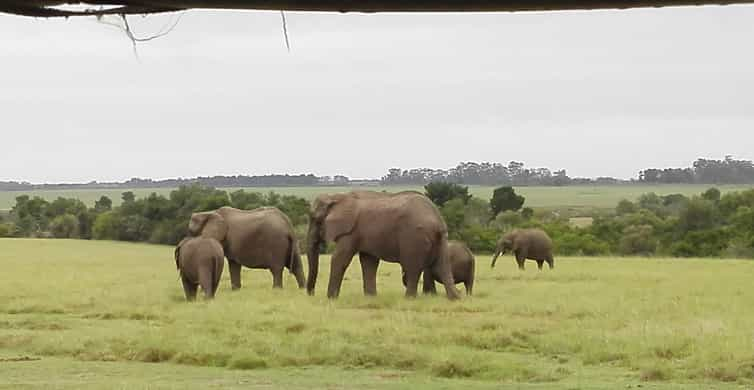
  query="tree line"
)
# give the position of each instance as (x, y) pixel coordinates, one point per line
(707, 225)
(702, 171)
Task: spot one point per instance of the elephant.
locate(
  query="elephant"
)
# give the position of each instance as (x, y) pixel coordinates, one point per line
(199, 262)
(259, 238)
(404, 228)
(462, 264)
(532, 244)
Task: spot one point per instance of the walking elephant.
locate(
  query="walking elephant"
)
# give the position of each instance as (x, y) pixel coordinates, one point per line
(532, 244)
(462, 265)
(403, 228)
(259, 238)
(200, 263)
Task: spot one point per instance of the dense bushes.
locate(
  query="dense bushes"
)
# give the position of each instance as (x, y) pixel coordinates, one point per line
(708, 225)
(155, 219)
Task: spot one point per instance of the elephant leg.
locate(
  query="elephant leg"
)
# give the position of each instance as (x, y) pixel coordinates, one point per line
(298, 271)
(520, 259)
(205, 280)
(341, 259)
(235, 274)
(550, 262)
(443, 272)
(540, 263)
(411, 275)
(369, 266)
(277, 277)
(469, 287)
(189, 288)
(428, 279)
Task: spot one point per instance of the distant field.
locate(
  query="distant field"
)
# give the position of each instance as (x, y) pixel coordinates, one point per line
(84, 314)
(576, 197)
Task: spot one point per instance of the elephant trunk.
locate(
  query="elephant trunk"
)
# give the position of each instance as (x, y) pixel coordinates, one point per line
(494, 258)
(313, 242)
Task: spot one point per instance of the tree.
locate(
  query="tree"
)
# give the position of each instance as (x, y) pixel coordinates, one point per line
(65, 226)
(106, 226)
(440, 192)
(453, 214)
(504, 199)
(103, 204)
(712, 195)
(625, 207)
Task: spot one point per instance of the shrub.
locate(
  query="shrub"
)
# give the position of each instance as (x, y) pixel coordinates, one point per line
(65, 226)
(625, 207)
(106, 226)
(6, 230)
(638, 240)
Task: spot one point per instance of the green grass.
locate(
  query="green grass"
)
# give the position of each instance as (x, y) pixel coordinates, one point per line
(97, 312)
(577, 197)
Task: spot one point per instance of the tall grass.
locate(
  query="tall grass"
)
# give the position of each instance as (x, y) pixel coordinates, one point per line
(659, 320)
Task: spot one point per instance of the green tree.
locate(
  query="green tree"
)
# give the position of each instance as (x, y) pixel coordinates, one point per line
(454, 215)
(712, 195)
(505, 199)
(106, 226)
(625, 206)
(441, 192)
(103, 204)
(65, 226)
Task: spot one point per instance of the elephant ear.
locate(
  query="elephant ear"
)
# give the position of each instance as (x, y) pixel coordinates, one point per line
(341, 218)
(215, 227)
(177, 252)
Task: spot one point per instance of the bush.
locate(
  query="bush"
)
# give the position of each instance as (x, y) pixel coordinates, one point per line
(106, 226)
(638, 240)
(65, 226)
(704, 243)
(576, 244)
(625, 207)
(508, 220)
(6, 230)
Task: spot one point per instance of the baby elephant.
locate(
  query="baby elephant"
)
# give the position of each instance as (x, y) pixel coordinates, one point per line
(462, 264)
(200, 262)
(532, 244)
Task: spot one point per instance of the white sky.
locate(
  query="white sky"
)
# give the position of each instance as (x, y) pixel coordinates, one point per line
(596, 93)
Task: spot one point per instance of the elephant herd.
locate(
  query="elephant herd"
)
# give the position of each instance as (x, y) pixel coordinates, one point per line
(404, 228)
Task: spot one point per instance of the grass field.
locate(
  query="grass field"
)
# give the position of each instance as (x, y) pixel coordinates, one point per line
(576, 197)
(80, 314)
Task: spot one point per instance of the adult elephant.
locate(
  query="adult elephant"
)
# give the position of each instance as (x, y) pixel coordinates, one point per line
(532, 244)
(259, 238)
(403, 228)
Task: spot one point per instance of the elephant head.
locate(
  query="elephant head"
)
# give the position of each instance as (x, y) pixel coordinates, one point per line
(504, 244)
(330, 217)
(209, 224)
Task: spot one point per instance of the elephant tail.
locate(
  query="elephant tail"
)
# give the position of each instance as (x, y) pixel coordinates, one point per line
(294, 258)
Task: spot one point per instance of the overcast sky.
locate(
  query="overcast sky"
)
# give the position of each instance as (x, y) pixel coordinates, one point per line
(596, 93)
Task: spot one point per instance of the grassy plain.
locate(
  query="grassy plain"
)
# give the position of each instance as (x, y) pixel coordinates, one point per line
(576, 197)
(96, 313)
